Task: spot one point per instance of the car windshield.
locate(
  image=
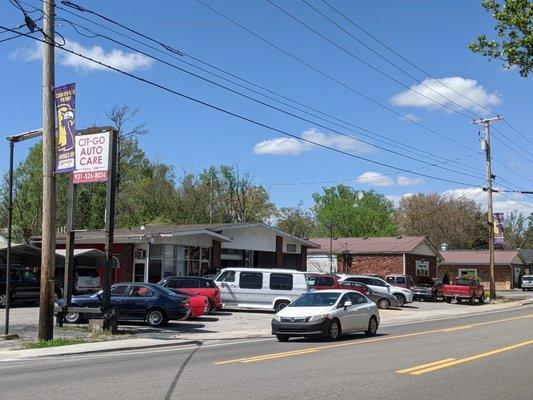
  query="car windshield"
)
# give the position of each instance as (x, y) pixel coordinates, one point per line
(464, 282)
(85, 271)
(167, 291)
(528, 279)
(316, 299)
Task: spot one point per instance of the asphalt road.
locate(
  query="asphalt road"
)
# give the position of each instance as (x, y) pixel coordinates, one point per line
(487, 356)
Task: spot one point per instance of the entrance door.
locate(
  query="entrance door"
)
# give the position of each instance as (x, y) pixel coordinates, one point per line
(138, 272)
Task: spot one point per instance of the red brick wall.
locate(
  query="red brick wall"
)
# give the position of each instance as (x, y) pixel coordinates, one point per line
(372, 264)
(502, 274)
(410, 264)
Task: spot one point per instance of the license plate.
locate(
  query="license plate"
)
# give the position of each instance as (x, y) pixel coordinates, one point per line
(88, 281)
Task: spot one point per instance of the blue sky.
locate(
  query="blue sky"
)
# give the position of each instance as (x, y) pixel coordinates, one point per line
(432, 34)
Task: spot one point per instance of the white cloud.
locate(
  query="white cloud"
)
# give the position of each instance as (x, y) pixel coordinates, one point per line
(433, 89)
(293, 146)
(125, 61)
(501, 203)
(396, 198)
(407, 181)
(411, 118)
(375, 179)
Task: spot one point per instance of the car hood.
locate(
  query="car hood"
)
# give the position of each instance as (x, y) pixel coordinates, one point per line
(303, 311)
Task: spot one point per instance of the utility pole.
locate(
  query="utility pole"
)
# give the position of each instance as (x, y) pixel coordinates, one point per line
(46, 298)
(486, 146)
(331, 227)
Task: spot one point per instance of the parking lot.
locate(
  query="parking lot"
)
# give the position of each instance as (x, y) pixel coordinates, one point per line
(237, 324)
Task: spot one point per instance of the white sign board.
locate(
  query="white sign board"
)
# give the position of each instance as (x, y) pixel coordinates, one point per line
(92, 158)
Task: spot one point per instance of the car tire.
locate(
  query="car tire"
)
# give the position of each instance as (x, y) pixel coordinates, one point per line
(448, 300)
(156, 318)
(210, 307)
(280, 305)
(373, 326)
(72, 318)
(481, 299)
(400, 298)
(334, 330)
(3, 300)
(383, 303)
(282, 338)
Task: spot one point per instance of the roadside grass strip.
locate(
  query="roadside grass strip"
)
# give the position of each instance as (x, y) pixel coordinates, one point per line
(311, 350)
(437, 365)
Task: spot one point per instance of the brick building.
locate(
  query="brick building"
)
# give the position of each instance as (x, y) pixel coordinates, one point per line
(508, 264)
(412, 255)
(151, 252)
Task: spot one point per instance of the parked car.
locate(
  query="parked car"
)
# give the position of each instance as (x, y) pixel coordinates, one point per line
(401, 280)
(86, 279)
(322, 281)
(427, 288)
(193, 286)
(198, 304)
(379, 285)
(329, 313)
(24, 285)
(382, 300)
(464, 289)
(255, 288)
(527, 282)
(154, 304)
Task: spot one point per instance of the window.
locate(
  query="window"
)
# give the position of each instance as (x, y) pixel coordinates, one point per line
(15, 277)
(390, 279)
(400, 280)
(357, 298)
(138, 275)
(468, 272)
(344, 299)
(29, 277)
(226, 276)
(376, 282)
(422, 268)
(141, 291)
(188, 283)
(290, 248)
(118, 291)
(206, 283)
(280, 281)
(171, 283)
(87, 271)
(251, 280)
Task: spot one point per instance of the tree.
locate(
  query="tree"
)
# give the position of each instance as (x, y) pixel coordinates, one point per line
(458, 222)
(514, 27)
(515, 232)
(295, 221)
(354, 213)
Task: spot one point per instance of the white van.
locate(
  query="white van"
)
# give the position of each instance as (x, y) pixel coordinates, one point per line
(267, 289)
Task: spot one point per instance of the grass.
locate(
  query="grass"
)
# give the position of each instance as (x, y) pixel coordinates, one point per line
(40, 344)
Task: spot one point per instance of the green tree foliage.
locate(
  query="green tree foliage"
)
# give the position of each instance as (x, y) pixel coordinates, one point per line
(458, 222)
(354, 213)
(514, 27)
(295, 220)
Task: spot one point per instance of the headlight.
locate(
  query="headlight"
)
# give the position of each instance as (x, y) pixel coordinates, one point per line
(315, 318)
(277, 318)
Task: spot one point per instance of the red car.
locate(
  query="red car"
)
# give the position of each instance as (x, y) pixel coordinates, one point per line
(464, 289)
(198, 304)
(322, 281)
(194, 286)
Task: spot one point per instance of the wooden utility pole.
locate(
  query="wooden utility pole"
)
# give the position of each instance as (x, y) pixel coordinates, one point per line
(488, 158)
(46, 299)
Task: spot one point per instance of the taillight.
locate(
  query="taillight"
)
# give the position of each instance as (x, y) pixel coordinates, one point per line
(184, 303)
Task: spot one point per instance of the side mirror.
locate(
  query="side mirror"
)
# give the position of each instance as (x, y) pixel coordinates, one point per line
(347, 303)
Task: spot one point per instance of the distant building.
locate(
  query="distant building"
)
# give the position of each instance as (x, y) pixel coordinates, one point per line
(411, 255)
(149, 253)
(508, 264)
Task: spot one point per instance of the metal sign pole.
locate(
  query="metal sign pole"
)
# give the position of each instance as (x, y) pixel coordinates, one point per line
(109, 319)
(9, 231)
(69, 256)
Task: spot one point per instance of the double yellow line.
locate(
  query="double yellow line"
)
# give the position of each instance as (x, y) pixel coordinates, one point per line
(450, 362)
(311, 350)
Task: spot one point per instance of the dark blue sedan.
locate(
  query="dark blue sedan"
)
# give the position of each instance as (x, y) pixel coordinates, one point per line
(135, 302)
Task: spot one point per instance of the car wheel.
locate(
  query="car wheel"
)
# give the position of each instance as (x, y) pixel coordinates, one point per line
(280, 305)
(523, 289)
(482, 299)
(3, 300)
(209, 307)
(282, 338)
(334, 330)
(400, 299)
(472, 300)
(372, 327)
(448, 300)
(155, 318)
(72, 317)
(383, 303)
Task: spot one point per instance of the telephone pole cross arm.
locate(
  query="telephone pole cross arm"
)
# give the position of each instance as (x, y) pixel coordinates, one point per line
(486, 122)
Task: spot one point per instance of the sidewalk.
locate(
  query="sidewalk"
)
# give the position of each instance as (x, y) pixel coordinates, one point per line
(219, 327)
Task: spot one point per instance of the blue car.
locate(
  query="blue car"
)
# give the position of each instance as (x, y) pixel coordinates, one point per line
(135, 302)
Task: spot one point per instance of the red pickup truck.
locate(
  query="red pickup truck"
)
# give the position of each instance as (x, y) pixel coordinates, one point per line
(464, 289)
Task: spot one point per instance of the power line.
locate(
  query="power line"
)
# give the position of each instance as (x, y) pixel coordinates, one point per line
(239, 116)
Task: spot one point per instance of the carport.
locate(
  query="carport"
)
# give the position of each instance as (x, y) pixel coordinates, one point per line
(26, 255)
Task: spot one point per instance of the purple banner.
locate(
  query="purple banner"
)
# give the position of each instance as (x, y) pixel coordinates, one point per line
(499, 228)
(66, 127)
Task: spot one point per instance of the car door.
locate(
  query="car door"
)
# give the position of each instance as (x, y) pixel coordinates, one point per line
(118, 293)
(29, 285)
(139, 298)
(226, 283)
(378, 285)
(362, 308)
(347, 315)
(249, 291)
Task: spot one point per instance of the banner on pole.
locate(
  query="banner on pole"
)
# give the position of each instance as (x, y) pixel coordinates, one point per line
(92, 158)
(66, 127)
(499, 228)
